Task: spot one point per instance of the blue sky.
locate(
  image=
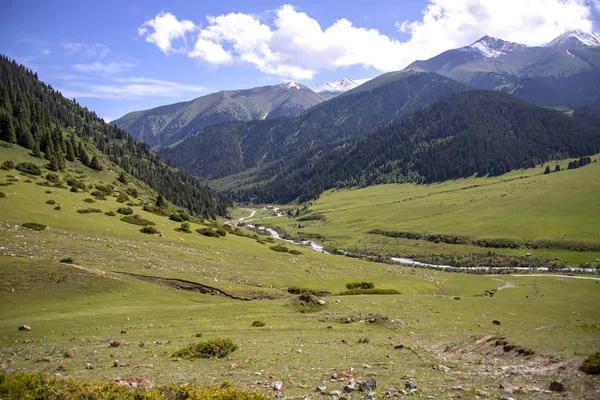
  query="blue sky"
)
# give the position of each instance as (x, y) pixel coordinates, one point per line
(119, 56)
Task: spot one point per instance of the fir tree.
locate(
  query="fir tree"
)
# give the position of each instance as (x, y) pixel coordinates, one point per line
(95, 164)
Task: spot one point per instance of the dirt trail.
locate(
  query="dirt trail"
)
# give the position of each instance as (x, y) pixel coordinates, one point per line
(559, 276)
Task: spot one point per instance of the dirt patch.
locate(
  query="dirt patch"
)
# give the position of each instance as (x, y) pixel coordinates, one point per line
(181, 284)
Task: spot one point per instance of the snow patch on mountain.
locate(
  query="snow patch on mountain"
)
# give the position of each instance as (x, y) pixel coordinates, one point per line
(341, 85)
(575, 40)
(292, 85)
(490, 47)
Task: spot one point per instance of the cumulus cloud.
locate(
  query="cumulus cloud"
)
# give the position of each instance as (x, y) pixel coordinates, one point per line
(166, 28)
(103, 68)
(131, 88)
(293, 45)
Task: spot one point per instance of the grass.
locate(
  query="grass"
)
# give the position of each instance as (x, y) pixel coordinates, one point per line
(82, 308)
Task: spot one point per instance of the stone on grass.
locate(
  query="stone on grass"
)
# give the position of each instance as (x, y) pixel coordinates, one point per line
(89, 366)
(481, 393)
(277, 385)
(367, 385)
(24, 328)
(557, 386)
(335, 393)
(321, 389)
(459, 388)
(496, 322)
(410, 384)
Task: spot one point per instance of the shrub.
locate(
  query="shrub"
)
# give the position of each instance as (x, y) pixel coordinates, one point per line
(591, 364)
(52, 177)
(29, 168)
(137, 220)
(364, 340)
(34, 225)
(352, 292)
(212, 348)
(221, 232)
(110, 213)
(88, 200)
(280, 248)
(89, 211)
(7, 165)
(74, 189)
(75, 183)
(359, 285)
(150, 230)
(122, 198)
(132, 192)
(125, 210)
(2, 195)
(50, 202)
(67, 260)
(207, 232)
(107, 189)
(99, 195)
(299, 290)
(57, 208)
(295, 252)
(258, 323)
(176, 217)
(185, 227)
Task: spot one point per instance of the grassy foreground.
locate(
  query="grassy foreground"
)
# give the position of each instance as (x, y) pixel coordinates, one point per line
(90, 322)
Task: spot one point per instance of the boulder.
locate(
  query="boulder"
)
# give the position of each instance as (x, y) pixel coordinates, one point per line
(24, 328)
(368, 385)
(277, 385)
(410, 384)
(557, 386)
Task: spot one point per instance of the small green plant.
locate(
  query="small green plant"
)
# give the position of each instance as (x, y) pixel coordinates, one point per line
(299, 290)
(7, 165)
(280, 248)
(125, 210)
(57, 208)
(2, 195)
(364, 340)
(218, 348)
(185, 227)
(591, 364)
(150, 230)
(74, 189)
(258, 323)
(122, 198)
(207, 232)
(295, 252)
(29, 168)
(110, 213)
(89, 211)
(88, 200)
(137, 220)
(52, 177)
(353, 292)
(198, 335)
(359, 285)
(50, 202)
(34, 225)
(67, 260)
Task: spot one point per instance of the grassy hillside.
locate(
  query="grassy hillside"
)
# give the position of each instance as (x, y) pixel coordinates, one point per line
(524, 205)
(76, 310)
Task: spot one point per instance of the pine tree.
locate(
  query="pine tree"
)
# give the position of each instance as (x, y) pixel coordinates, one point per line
(557, 168)
(160, 201)
(547, 170)
(7, 128)
(122, 178)
(70, 152)
(36, 150)
(95, 164)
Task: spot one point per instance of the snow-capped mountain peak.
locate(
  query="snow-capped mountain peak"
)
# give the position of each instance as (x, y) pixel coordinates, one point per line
(341, 85)
(574, 40)
(491, 47)
(292, 85)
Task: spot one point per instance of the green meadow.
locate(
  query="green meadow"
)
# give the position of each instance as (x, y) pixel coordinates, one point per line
(439, 330)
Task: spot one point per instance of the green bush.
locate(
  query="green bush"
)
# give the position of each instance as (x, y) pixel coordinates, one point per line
(280, 248)
(185, 227)
(295, 252)
(89, 211)
(7, 165)
(299, 290)
(591, 364)
(52, 177)
(176, 217)
(2, 195)
(107, 189)
(207, 232)
(125, 210)
(99, 195)
(34, 225)
(150, 230)
(67, 260)
(122, 198)
(57, 208)
(258, 323)
(74, 189)
(29, 168)
(212, 348)
(88, 200)
(359, 285)
(50, 202)
(352, 292)
(132, 192)
(75, 183)
(110, 213)
(137, 220)
(221, 232)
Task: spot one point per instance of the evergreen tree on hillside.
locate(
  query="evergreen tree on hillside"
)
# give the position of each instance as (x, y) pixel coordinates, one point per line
(547, 170)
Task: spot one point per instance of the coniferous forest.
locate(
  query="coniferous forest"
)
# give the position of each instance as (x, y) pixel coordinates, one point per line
(39, 118)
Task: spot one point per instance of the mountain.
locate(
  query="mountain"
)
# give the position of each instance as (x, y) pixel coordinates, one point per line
(334, 88)
(575, 40)
(267, 146)
(165, 125)
(474, 132)
(35, 116)
(548, 76)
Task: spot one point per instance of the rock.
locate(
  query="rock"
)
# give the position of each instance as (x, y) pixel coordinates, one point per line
(367, 385)
(506, 398)
(24, 328)
(278, 395)
(277, 385)
(443, 368)
(557, 386)
(496, 322)
(388, 395)
(410, 384)
(372, 395)
(481, 393)
(116, 363)
(336, 393)
(321, 389)
(299, 351)
(350, 387)
(458, 388)
(322, 302)
(89, 366)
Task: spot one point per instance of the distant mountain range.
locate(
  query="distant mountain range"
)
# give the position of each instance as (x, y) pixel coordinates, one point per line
(563, 73)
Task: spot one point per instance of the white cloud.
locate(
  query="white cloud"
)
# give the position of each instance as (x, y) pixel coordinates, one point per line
(166, 28)
(97, 50)
(131, 88)
(103, 68)
(294, 45)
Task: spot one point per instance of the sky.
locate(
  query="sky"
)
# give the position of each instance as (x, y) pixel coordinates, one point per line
(115, 57)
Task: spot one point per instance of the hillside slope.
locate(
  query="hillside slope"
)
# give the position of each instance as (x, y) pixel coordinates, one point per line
(34, 115)
(477, 132)
(162, 126)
